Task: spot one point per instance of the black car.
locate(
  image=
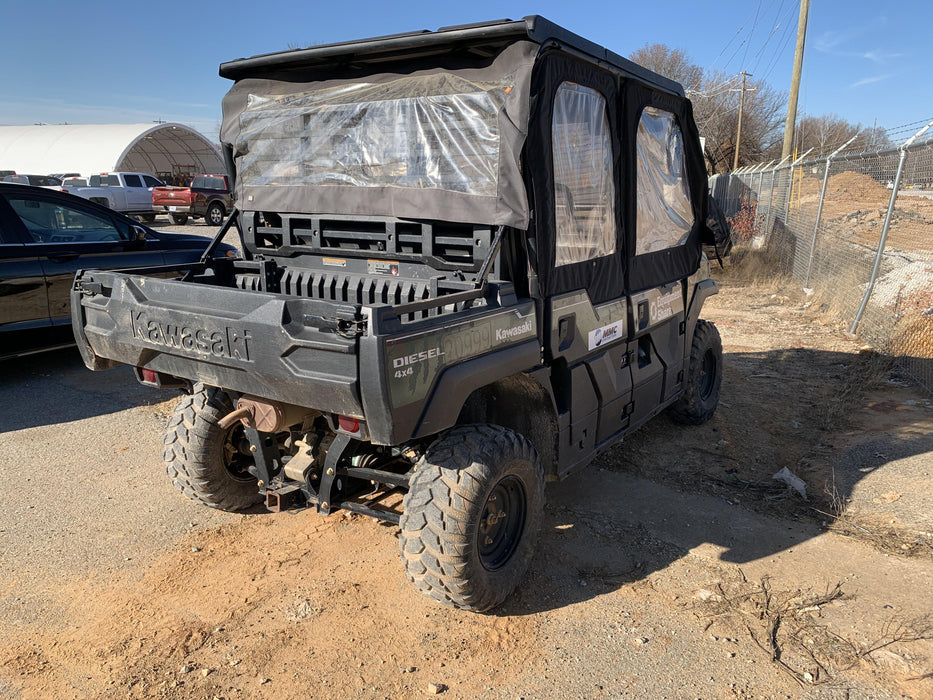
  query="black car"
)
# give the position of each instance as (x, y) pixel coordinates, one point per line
(45, 237)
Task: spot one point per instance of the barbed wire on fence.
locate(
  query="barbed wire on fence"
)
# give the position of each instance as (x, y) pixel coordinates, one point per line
(854, 228)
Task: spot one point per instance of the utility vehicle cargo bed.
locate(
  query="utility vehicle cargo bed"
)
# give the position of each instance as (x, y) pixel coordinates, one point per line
(381, 362)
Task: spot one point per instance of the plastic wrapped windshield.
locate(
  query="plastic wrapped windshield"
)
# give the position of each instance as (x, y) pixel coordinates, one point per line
(429, 132)
(665, 216)
(584, 199)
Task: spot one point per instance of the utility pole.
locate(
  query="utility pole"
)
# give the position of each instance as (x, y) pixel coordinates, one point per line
(795, 79)
(738, 133)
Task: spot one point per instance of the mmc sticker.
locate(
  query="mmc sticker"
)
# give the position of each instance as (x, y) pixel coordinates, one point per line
(223, 342)
(605, 334)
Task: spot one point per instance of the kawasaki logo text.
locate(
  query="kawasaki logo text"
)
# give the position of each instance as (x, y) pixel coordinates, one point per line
(506, 333)
(223, 342)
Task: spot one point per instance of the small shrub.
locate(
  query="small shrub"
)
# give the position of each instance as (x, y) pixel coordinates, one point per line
(743, 221)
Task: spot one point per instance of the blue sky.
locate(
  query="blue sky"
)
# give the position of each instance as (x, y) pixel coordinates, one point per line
(125, 62)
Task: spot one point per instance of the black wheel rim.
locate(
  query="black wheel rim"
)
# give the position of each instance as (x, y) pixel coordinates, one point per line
(236, 461)
(502, 523)
(707, 374)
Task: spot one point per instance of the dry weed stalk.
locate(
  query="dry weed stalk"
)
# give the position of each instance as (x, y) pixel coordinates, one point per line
(900, 631)
(781, 624)
(863, 374)
(872, 528)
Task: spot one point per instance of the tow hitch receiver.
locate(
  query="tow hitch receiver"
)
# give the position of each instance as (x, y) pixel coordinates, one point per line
(295, 483)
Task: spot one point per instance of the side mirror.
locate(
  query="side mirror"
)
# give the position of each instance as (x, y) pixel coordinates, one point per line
(139, 234)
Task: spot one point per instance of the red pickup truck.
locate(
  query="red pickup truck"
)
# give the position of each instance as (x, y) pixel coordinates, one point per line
(207, 196)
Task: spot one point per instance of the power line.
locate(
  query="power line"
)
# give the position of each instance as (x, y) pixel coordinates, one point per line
(729, 43)
(782, 23)
(919, 122)
(751, 34)
(724, 48)
(788, 35)
(777, 25)
(717, 111)
(725, 86)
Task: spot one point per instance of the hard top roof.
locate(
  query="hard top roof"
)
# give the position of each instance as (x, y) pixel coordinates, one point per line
(484, 39)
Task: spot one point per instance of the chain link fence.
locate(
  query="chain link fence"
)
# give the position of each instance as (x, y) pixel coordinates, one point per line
(856, 229)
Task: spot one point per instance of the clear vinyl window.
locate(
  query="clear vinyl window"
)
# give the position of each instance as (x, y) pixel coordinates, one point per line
(584, 188)
(665, 215)
(429, 132)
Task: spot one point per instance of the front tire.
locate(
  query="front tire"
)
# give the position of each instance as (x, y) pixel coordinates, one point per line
(205, 462)
(215, 214)
(704, 377)
(472, 516)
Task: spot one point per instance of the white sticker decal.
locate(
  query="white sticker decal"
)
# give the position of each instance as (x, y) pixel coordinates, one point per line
(605, 334)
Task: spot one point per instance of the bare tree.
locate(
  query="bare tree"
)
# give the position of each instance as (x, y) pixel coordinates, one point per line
(826, 133)
(716, 109)
(715, 98)
(671, 63)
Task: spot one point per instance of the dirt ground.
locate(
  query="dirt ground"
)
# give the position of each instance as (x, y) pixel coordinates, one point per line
(856, 205)
(674, 566)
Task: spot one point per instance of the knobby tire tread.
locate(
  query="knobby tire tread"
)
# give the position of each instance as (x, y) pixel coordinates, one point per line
(446, 497)
(193, 452)
(691, 408)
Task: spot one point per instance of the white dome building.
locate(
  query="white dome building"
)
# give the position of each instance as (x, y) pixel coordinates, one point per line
(167, 151)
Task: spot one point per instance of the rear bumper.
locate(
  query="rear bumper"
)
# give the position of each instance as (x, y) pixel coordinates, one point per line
(173, 208)
(245, 341)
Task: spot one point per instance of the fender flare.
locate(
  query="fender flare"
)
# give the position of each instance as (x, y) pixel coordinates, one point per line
(457, 382)
(703, 290)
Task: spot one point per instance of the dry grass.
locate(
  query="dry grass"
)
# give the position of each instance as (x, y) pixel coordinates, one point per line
(914, 336)
(875, 529)
(842, 298)
(756, 269)
(865, 373)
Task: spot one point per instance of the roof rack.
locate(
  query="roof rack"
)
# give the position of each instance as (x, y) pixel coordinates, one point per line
(486, 38)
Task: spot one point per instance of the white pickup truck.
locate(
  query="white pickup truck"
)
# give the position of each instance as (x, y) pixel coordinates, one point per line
(127, 193)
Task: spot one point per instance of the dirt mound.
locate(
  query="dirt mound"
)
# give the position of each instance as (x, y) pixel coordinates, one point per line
(852, 185)
(808, 187)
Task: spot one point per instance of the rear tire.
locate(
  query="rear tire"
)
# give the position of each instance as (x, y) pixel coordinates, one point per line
(472, 516)
(205, 462)
(704, 377)
(179, 219)
(215, 214)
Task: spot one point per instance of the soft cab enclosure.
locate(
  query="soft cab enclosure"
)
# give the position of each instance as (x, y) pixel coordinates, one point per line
(498, 124)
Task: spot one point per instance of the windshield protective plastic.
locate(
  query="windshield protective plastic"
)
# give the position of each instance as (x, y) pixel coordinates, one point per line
(665, 216)
(584, 193)
(431, 132)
